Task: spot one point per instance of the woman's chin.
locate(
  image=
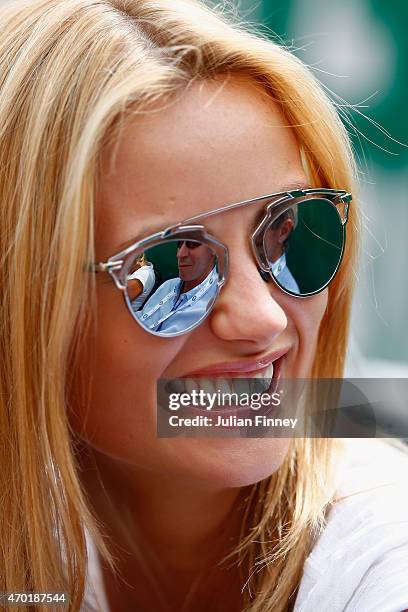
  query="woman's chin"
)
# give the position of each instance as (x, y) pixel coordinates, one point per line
(229, 462)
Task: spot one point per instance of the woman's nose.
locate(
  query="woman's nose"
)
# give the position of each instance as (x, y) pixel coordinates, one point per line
(245, 309)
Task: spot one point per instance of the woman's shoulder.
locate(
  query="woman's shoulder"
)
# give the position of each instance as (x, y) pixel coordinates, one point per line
(359, 563)
(143, 273)
(360, 560)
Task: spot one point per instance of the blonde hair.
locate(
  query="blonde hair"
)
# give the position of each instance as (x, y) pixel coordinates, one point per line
(70, 72)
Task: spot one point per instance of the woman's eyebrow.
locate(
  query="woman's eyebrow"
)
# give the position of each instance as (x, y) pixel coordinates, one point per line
(296, 185)
(140, 235)
(153, 229)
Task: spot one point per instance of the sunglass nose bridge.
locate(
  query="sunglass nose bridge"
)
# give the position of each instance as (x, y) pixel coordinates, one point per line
(174, 230)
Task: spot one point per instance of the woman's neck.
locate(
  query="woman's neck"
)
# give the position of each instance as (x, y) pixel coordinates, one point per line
(181, 531)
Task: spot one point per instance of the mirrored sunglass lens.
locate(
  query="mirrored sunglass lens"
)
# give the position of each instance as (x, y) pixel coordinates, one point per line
(172, 286)
(189, 244)
(304, 246)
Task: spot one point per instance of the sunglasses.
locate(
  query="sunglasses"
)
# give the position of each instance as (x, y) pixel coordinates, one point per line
(171, 279)
(189, 244)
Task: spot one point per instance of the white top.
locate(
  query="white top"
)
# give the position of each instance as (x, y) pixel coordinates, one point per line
(285, 277)
(360, 561)
(147, 277)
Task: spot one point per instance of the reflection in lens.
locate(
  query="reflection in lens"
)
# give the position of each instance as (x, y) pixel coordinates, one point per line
(175, 287)
(140, 281)
(304, 246)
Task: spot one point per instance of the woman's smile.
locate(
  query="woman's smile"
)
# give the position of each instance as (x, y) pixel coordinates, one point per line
(242, 368)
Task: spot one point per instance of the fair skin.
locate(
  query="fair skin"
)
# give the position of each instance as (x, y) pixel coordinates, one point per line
(222, 145)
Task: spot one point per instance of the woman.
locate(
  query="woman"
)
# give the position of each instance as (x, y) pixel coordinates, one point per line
(118, 119)
(140, 282)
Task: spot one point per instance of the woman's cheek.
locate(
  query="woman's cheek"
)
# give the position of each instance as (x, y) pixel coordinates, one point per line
(305, 315)
(113, 399)
(123, 348)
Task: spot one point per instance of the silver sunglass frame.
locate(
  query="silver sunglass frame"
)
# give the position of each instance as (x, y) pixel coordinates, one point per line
(117, 265)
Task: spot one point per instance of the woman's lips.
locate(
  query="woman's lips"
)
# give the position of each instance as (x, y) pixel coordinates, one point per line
(231, 369)
(248, 369)
(242, 411)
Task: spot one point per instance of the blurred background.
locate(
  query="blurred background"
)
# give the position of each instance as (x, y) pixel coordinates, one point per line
(359, 50)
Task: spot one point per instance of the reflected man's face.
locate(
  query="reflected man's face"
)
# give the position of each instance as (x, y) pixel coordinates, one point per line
(195, 261)
(275, 239)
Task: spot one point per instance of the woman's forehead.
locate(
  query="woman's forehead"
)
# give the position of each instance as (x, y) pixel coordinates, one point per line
(212, 146)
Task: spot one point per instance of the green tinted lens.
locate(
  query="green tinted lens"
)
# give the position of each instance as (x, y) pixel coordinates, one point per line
(172, 286)
(304, 246)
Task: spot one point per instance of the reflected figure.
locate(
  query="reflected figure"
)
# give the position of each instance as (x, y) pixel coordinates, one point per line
(276, 240)
(182, 301)
(140, 282)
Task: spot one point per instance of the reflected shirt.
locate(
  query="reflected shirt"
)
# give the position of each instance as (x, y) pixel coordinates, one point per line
(169, 310)
(283, 274)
